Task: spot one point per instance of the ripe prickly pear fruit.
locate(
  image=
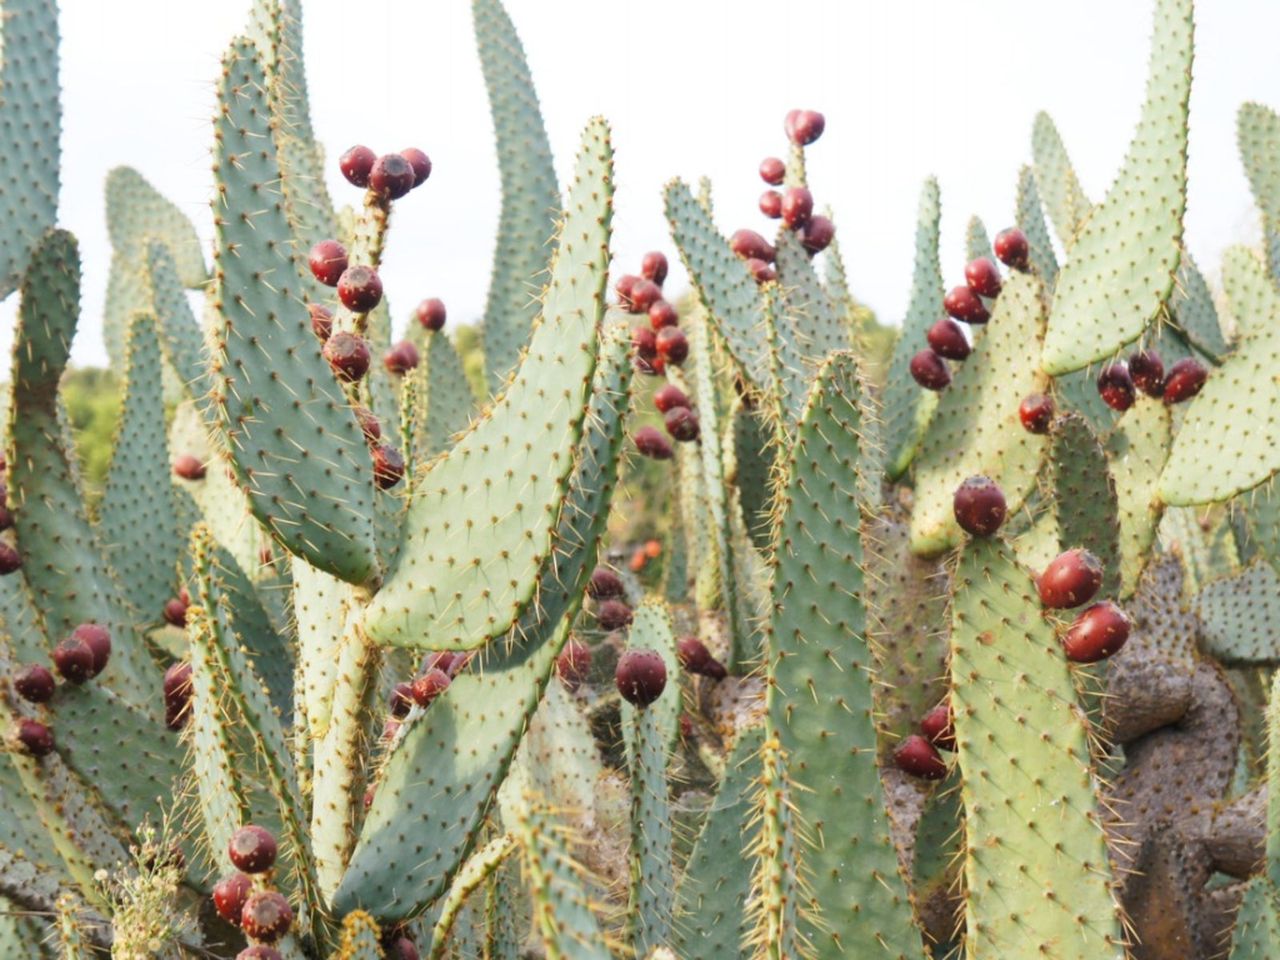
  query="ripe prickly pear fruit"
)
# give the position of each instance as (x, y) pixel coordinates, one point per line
(1012, 249)
(771, 204)
(6, 515)
(177, 694)
(604, 584)
(963, 304)
(348, 355)
(402, 948)
(574, 664)
(651, 443)
(626, 283)
(672, 344)
(34, 683)
(33, 737)
(653, 266)
(99, 641)
(644, 341)
(816, 235)
(983, 277)
(1070, 579)
(668, 397)
(321, 321)
(772, 171)
(761, 271)
(10, 559)
(682, 424)
(401, 358)
(644, 294)
(641, 677)
(613, 615)
(1097, 633)
(390, 729)
(430, 685)
(804, 126)
(749, 245)
(979, 506)
(259, 951)
(188, 467)
(73, 659)
(1185, 380)
(229, 895)
(327, 260)
(419, 163)
(696, 658)
(663, 314)
(1146, 370)
(930, 370)
(252, 849)
(1115, 386)
(938, 727)
(917, 756)
(401, 700)
(356, 164)
(1036, 413)
(369, 424)
(797, 207)
(431, 313)
(392, 176)
(360, 289)
(388, 466)
(947, 339)
(266, 916)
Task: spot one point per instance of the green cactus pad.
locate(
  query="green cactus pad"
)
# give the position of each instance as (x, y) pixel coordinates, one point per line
(777, 887)
(1257, 135)
(907, 407)
(1257, 930)
(137, 215)
(138, 516)
(462, 746)
(294, 442)
(1239, 613)
(180, 334)
(1030, 218)
(507, 477)
(976, 430)
(445, 403)
(530, 194)
(30, 128)
(1099, 306)
(1034, 880)
(977, 243)
(1085, 498)
(820, 683)
(1251, 293)
(474, 876)
(1059, 187)
(816, 324)
(753, 464)
(1194, 312)
(321, 604)
(1136, 452)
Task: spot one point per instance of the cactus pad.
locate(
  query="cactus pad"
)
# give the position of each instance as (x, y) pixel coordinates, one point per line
(1059, 187)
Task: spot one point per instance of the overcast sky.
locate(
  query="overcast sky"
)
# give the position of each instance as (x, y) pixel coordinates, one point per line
(692, 87)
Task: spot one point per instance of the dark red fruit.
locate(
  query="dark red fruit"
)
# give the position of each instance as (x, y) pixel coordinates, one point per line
(1146, 370)
(429, 686)
(963, 304)
(402, 948)
(6, 515)
(327, 259)
(360, 289)
(651, 443)
(641, 676)
(983, 277)
(771, 204)
(34, 737)
(644, 342)
(930, 370)
(441, 660)
(348, 355)
(938, 727)
(266, 916)
(804, 126)
(979, 506)
(1012, 248)
(947, 339)
(1097, 633)
(772, 171)
(749, 245)
(419, 163)
(816, 235)
(99, 641)
(259, 951)
(10, 559)
(613, 615)
(390, 729)
(1072, 578)
(797, 207)
(1186, 378)
(321, 321)
(356, 165)
(401, 358)
(1115, 386)
(1036, 413)
(654, 267)
(401, 700)
(668, 397)
(682, 424)
(73, 659)
(431, 313)
(574, 664)
(672, 344)
(252, 849)
(388, 466)
(369, 424)
(626, 283)
(188, 467)
(696, 658)
(604, 583)
(761, 271)
(917, 756)
(229, 895)
(662, 314)
(644, 294)
(391, 177)
(34, 683)
(177, 694)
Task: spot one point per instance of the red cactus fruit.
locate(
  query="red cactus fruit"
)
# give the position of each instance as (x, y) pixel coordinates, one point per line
(749, 245)
(651, 443)
(6, 515)
(188, 467)
(574, 664)
(388, 466)
(917, 756)
(663, 314)
(797, 207)
(402, 948)
(229, 895)
(816, 235)
(930, 370)
(653, 549)
(983, 277)
(259, 951)
(428, 686)
(10, 558)
(177, 694)
(73, 659)
(266, 916)
(1185, 380)
(327, 260)
(604, 583)
(1146, 370)
(641, 677)
(99, 640)
(613, 614)
(33, 737)
(626, 283)
(673, 345)
(390, 729)
(431, 313)
(682, 424)
(771, 204)
(668, 397)
(1012, 248)
(360, 289)
(1115, 386)
(638, 561)
(401, 358)
(34, 683)
(644, 294)
(252, 849)
(772, 171)
(321, 321)
(348, 355)
(938, 727)
(1036, 413)
(369, 425)
(392, 176)
(947, 339)
(653, 266)
(979, 506)
(1097, 633)
(419, 163)
(761, 271)
(1072, 578)
(401, 700)
(804, 126)
(644, 341)
(696, 658)
(441, 660)
(963, 304)
(356, 165)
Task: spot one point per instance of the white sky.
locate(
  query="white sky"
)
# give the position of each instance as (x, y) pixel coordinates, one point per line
(692, 87)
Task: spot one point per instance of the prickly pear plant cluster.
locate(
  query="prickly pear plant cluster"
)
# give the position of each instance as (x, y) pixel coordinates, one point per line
(972, 656)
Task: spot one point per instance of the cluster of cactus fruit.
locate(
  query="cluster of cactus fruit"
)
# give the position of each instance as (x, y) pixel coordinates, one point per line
(342, 666)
